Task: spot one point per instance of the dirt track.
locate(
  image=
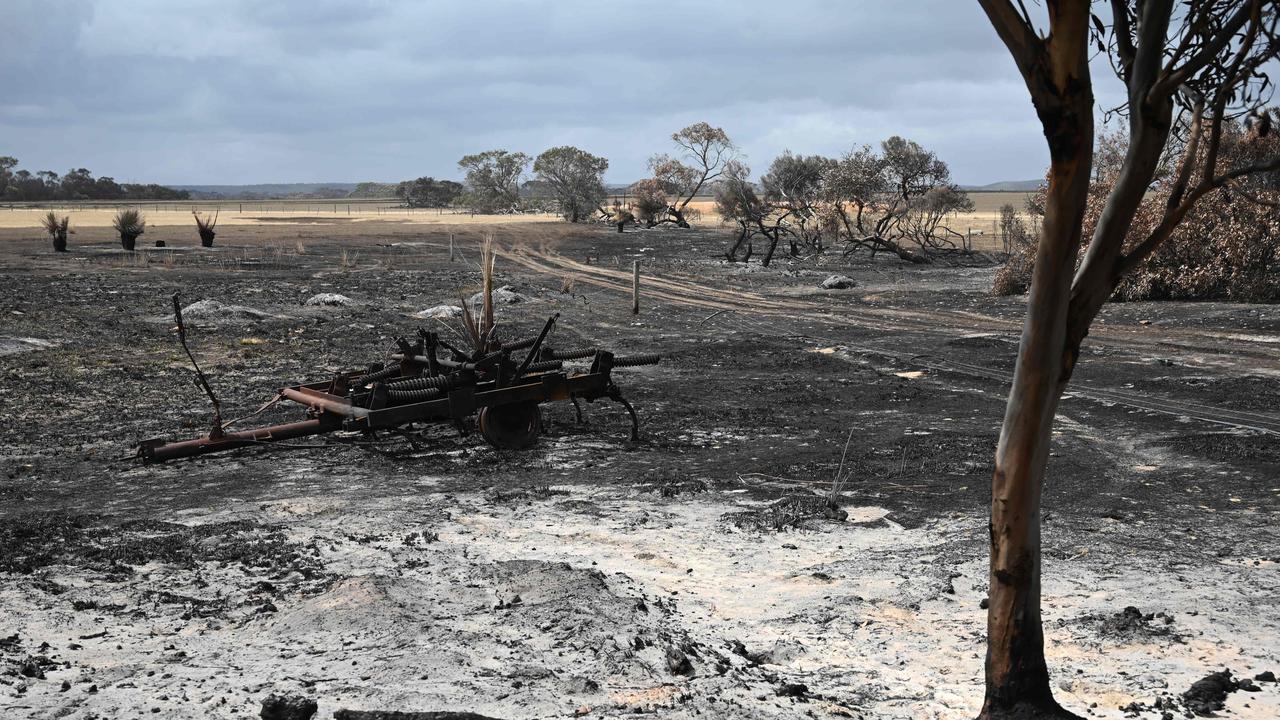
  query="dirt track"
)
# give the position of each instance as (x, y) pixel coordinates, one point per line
(595, 576)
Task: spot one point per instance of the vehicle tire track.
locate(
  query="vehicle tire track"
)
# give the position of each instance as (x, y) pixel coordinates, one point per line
(748, 305)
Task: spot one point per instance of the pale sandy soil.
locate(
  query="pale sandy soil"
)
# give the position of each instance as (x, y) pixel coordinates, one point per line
(528, 610)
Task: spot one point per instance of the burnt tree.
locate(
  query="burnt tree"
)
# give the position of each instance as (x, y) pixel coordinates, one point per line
(706, 152)
(1187, 67)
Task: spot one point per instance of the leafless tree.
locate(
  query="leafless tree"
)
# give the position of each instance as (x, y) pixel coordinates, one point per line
(1187, 68)
(894, 200)
(738, 201)
(704, 154)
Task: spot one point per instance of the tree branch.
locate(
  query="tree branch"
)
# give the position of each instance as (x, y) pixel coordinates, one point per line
(1256, 200)
(1153, 26)
(1171, 219)
(1123, 32)
(1175, 77)
(1179, 186)
(1016, 32)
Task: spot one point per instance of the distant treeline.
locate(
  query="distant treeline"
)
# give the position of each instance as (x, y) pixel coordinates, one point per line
(271, 191)
(18, 185)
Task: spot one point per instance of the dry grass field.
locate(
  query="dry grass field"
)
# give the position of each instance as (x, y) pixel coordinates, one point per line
(172, 215)
(172, 221)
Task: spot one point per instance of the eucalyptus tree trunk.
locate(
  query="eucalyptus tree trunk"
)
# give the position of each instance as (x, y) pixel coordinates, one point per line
(1017, 677)
(1215, 63)
(1056, 73)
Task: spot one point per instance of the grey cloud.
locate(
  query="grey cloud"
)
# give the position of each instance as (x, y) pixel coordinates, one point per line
(218, 91)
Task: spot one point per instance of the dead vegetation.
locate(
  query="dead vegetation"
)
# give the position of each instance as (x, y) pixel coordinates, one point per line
(1226, 248)
(205, 227)
(425, 537)
(129, 224)
(58, 228)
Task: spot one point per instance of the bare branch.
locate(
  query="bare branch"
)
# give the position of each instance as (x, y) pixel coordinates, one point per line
(1123, 32)
(1015, 30)
(1171, 219)
(1175, 77)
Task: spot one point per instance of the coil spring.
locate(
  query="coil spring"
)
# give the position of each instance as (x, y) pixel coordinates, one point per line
(633, 360)
(421, 395)
(519, 344)
(439, 382)
(576, 354)
(544, 366)
(377, 375)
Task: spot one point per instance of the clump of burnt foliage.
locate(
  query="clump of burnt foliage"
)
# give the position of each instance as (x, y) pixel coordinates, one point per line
(1014, 277)
(58, 229)
(205, 225)
(1227, 247)
(130, 223)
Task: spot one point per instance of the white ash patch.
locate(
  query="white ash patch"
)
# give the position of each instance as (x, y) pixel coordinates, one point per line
(329, 300)
(505, 295)
(15, 345)
(440, 312)
(212, 311)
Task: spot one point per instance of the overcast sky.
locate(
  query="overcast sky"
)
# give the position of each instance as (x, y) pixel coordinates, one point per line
(230, 91)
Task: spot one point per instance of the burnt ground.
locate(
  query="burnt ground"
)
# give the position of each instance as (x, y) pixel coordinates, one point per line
(689, 574)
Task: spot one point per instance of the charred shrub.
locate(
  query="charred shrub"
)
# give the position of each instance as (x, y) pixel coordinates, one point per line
(129, 223)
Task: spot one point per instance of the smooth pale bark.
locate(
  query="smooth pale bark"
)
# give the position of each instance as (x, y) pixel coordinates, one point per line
(1061, 307)
(1017, 676)
(1057, 76)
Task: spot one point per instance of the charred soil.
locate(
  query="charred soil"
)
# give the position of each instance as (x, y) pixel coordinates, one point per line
(708, 569)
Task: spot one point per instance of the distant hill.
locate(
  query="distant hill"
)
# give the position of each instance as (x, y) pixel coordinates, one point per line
(268, 191)
(1005, 186)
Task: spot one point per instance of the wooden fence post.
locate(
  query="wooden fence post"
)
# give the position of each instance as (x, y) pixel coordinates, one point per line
(635, 287)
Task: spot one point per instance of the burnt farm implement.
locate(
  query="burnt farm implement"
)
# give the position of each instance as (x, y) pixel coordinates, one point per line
(428, 381)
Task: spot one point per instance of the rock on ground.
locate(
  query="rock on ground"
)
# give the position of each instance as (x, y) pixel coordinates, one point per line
(837, 282)
(440, 311)
(212, 310)
(288, 707)
(505, 295)
(1209, 694)
(329, 300)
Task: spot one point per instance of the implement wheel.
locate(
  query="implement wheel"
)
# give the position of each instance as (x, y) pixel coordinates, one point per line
(511, 427)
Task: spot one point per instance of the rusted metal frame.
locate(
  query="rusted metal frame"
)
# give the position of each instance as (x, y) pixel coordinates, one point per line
(317, 399)
(160, 451)
(537, 345)
(409, 366)
(430, 341)
(465, 400)
(484, 363)
(337, 387)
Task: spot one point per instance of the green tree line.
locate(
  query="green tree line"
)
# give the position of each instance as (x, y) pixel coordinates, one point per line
(20, 185)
